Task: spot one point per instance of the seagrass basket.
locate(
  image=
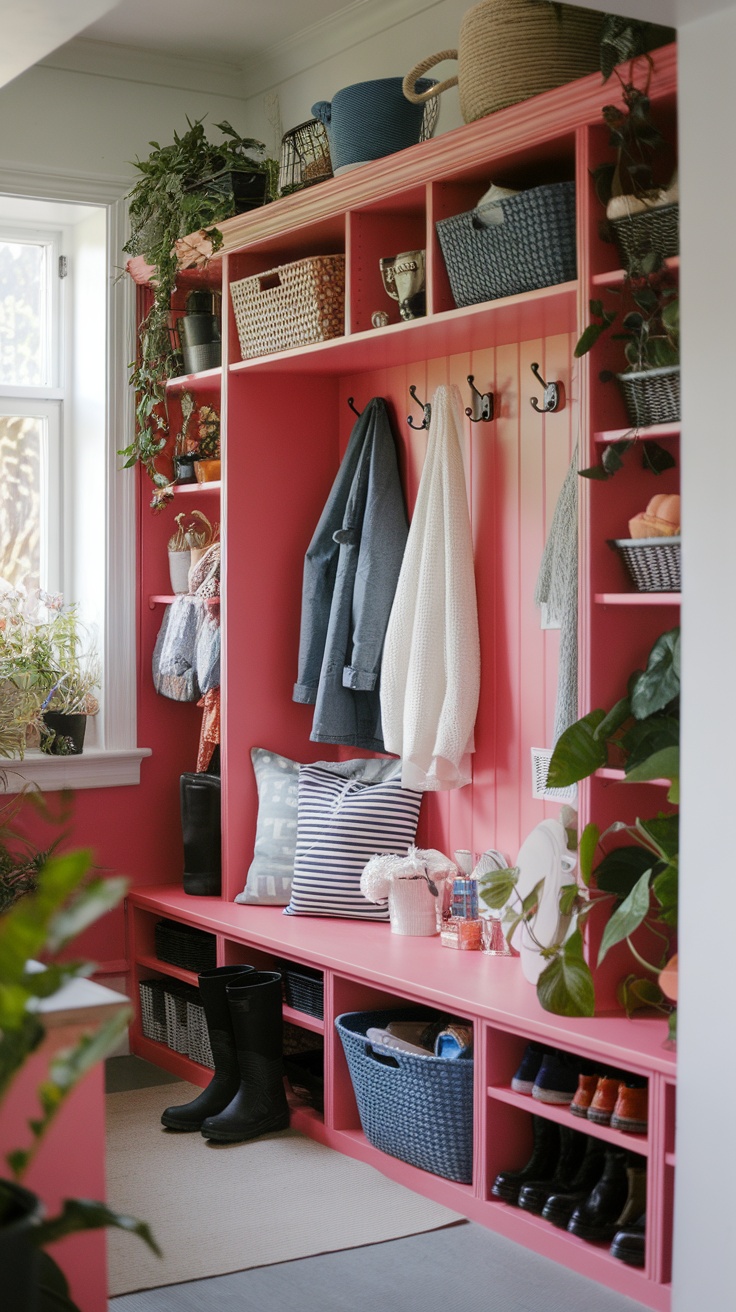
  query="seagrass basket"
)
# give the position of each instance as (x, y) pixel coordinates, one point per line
(652, 396)
(293, 305)
(654, 231)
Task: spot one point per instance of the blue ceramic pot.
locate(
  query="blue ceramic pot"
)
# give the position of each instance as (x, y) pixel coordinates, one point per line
(369, 120)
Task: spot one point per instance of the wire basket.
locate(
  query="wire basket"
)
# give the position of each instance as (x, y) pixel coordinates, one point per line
(198, 1039)
(533, 245)
(153, 1009)
(304, 988)
(652, 396)
(419, 1109)
(653, 563)
(293, 305)
(655, 231)
(183, 945)
(305, 157)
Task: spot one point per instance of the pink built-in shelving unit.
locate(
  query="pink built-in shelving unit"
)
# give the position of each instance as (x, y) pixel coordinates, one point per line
(286, 422)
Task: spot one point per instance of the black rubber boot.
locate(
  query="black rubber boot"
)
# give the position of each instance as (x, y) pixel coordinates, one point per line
(542, 1162)
(561, 1204)
(200, 828)
(259, 1105)
(225, 1081)
(534, 1194)
(595, 1220)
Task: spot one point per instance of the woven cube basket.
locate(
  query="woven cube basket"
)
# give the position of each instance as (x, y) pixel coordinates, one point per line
(293, 305)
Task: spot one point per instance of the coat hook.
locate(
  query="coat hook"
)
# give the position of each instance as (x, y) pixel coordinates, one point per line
(426, 408)
(353, 407)
(482, 401)
(554, 394)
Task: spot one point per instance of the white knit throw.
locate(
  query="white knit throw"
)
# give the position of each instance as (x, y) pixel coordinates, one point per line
(557, 588)
(430, 681)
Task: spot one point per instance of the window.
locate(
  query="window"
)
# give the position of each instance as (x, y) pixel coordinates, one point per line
(66, 513)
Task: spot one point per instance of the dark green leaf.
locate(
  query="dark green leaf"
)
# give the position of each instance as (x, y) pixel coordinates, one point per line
(628, 916)
(588, 845)
(636, 993)
(665, 889)
(565, 987)
(660, 682)
(611, 456)
(656, 458)
(83, 1214)
(620, 870)
(664, 833)
(577, 753)
(588, 339)
(612, 722)
(595, 472)
(664, 764)
(569, 894)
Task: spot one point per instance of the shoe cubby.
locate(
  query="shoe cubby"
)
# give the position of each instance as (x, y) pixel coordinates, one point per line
(385, 229)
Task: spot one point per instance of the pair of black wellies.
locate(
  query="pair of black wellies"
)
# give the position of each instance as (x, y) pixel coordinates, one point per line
(246, 1096)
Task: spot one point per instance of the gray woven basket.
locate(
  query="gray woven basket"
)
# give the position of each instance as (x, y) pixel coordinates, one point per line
(294, 305)
(176, 1020)
(533, 246)
(653, 563)
(652, 396)
(651, 231)
(153, 1009)
(419, 1109)
(198, 1039)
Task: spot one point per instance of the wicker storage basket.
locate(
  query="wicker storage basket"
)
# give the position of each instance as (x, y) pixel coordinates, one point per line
(419, 1109)
(153, 1009)
(655, 230)
(185, 946)
(534, 246)
(198, 1039)
(294, 305)
(653, 563)
(304, 988)
(652, 396)
(176, 998)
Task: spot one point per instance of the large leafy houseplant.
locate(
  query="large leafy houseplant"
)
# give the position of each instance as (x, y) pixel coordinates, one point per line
(42, 925)
(635, 881)
(166, 204)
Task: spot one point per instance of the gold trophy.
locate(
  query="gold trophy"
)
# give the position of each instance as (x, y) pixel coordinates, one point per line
(405, 281)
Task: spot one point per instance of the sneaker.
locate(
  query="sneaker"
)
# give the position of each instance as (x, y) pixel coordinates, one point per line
(556, 1079)
(523, 1080)
(630, 1112)
(604, 1100)
(587, 1085)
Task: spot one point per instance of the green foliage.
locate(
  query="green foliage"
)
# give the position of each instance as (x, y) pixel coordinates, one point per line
(165, 204)
(41, 925)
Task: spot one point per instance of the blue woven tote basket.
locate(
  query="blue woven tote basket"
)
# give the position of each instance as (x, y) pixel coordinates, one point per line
(534, 246)
(419, 1109)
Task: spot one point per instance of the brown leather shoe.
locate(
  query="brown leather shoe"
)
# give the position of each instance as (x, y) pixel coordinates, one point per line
(587, 1085)
(604, 1099)
(630, 1113)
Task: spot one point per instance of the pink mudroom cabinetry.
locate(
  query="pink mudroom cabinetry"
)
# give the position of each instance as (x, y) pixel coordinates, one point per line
(286, 421)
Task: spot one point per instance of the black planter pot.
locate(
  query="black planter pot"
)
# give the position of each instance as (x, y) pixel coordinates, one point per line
(19, 1257)
(68, 733)
(244, 189)
(184, 469)
(199, 333)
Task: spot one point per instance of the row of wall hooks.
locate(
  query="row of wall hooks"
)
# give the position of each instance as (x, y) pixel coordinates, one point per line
(482, 404)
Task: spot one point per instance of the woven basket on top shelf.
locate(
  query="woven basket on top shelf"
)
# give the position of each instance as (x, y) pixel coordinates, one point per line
(294, 305)
(653, 563)
(652, 396)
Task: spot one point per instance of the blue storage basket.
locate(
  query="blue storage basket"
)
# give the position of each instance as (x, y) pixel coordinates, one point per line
(419, 1109)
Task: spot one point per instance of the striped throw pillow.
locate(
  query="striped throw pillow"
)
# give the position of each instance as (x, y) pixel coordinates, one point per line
(341, 824)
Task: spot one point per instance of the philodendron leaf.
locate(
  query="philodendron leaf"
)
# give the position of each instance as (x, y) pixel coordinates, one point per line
(620, 870)
(565, 986)
(636, 992)
(628, 916)
(568, 897)
(659, 684)
(91, 902)
(497, 886)
(664, 888)
(645, 737)
(577, 752)
(664, 832)
(617, 716)
(656, 458)
(586, 851)
(85, 1214)
(664, 764)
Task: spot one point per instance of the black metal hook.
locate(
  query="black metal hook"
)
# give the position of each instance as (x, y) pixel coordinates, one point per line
(426, 408)
(554, 394)
(353, 407)
(482, 401)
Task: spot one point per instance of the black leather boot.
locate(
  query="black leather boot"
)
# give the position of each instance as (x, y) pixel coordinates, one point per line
(259, 1105)
(596, 1219)
(534, 1194)
(200, 827)
(629, 1244)
(545, 1154)
(225, 1081)
(561, 1204)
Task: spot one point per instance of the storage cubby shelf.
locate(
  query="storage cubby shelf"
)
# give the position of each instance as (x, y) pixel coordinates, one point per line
(616, 276)
(166, 968)
(635, 1143)
(303, 1020)
(166, 598)
(655, 432)
(191, 489)
(618, 776)
(637, 598)
(208, 379)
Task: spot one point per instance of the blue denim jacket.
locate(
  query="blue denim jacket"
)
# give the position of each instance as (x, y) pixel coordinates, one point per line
(350, 573)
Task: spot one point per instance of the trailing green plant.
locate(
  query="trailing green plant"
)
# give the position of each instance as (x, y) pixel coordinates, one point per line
(21, 858)
(635, 882)
(164, 205)
(41, 926)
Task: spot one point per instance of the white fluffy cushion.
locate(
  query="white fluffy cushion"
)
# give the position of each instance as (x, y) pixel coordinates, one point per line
(342, 823)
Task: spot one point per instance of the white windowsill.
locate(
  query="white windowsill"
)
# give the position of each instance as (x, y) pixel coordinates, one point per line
(93, 768)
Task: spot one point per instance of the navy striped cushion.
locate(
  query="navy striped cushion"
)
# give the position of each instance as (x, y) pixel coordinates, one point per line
(341, 824)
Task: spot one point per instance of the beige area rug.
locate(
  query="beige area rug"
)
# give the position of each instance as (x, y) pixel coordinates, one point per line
(216, 1209)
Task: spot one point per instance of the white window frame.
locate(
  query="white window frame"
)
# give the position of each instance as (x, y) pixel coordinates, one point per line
(117, 760)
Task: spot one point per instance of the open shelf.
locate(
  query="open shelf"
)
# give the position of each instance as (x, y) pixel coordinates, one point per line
(655, 432)
(637, 598)
(166, 598)
(615, 277)
(189, 489)
(637, 1143)
(618, 776)
(166, 968)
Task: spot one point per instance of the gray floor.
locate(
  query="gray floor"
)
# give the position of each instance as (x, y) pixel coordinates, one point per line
(464, 1266)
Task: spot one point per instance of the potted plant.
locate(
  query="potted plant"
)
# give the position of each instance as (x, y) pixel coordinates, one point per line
(41, 925)
(635, 882)
(175, 196)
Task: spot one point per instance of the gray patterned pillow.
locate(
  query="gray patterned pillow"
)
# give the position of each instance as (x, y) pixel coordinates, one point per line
(277, 778)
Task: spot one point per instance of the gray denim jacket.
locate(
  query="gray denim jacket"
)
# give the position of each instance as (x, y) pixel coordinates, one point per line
(350, 573)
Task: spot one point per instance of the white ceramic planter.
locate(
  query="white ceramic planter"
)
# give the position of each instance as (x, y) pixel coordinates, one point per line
(412, 908)
(179, 562)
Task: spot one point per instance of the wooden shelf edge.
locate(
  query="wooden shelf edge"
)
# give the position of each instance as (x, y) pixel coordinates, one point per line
(166, 968)
(561, 1115)
(637, 598)
(655, 432)
(614, 277)
(619, 776)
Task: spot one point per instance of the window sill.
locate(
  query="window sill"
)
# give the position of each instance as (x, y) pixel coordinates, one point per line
(93, 768)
